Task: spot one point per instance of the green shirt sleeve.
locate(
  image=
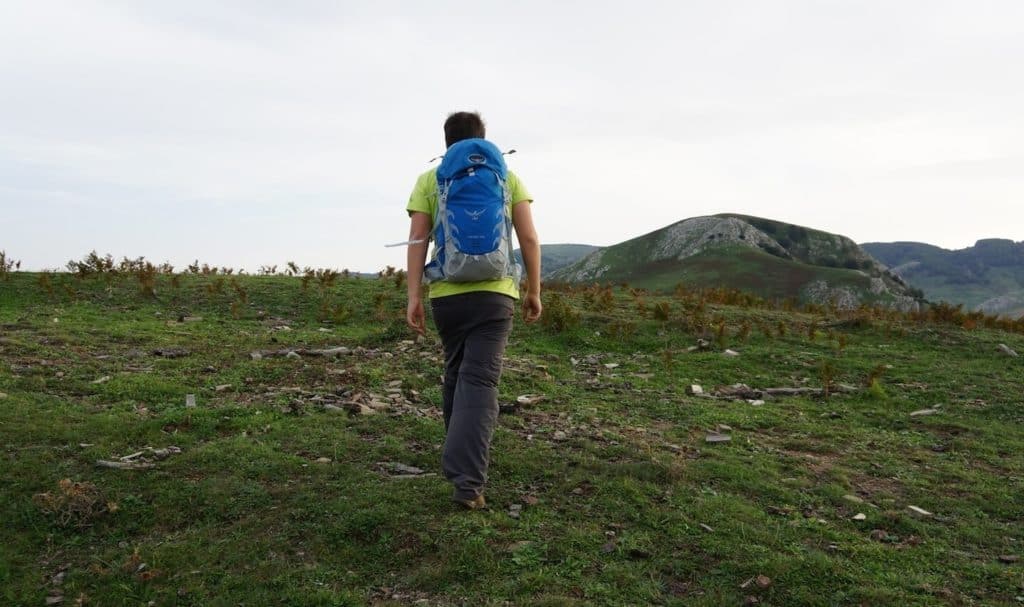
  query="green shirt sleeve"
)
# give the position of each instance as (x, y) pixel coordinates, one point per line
(424, 195)
(517, 190)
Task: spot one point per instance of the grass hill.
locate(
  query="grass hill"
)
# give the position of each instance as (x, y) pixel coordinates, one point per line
(771, 259)
(554, 257)
(988, 276)
(195, 439)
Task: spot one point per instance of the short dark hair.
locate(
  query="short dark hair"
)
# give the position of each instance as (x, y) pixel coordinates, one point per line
(463, 125)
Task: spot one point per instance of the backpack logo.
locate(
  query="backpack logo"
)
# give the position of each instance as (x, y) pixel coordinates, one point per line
(475, 215)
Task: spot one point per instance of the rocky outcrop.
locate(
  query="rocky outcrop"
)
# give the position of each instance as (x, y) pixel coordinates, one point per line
(692, 236)
(832, 268)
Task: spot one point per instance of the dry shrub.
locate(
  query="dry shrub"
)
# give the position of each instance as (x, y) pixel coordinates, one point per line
(146, 275)
(828, 375)
(621, 329)
(74, 503)
(662, 311)
(6, 265)
(559, 315)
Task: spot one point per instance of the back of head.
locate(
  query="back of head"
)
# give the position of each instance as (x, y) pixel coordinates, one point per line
(463, 125)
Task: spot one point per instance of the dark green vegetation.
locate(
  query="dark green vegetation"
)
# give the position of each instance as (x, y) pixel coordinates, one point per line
(554, 257)
(274, 499)
(768, 258)
(987, 276)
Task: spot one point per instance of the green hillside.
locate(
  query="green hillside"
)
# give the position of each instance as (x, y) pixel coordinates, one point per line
(988, 276)
(771, 259)
(268, 440)
(554, 257)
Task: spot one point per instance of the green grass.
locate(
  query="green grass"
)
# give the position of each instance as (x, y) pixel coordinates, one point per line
(617, 513)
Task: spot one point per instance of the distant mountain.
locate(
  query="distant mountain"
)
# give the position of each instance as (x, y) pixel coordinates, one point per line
(988, 276)
(556, 256)
(769, 258)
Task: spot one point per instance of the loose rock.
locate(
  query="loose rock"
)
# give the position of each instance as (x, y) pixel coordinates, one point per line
(920, 511)
(694, 390)
(1008, 559)
(359, 409)
(528, 400)
(292, 355)
(190, 400)
(1007, 350)
(103, 463)
(879, 535)
(171, 352)
(860, 516)
(101, 380)
(331, 352)
(923, 412)
(399, 468)
(731, 353)
(715, 437)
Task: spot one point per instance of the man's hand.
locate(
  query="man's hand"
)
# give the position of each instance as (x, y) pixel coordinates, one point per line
(532, 307)
(414, 316)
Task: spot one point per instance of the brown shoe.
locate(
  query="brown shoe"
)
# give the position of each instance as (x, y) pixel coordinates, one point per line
(477, 503)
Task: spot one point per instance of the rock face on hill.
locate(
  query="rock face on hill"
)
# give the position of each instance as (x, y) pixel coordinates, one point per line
(769, 258)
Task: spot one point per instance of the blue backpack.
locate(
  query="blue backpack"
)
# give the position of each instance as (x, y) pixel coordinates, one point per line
(472, 228)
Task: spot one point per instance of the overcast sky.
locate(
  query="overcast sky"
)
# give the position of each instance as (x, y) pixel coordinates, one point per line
(257, 132)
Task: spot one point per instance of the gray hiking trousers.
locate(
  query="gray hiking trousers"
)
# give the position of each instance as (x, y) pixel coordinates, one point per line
(474, 330)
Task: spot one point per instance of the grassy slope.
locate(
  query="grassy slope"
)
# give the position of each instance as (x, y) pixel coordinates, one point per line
(245, 514)
(739, 268)
(813, 247)
(945, 275)
(557, 256)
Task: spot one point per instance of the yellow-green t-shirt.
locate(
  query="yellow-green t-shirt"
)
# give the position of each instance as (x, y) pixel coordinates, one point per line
(424, 200)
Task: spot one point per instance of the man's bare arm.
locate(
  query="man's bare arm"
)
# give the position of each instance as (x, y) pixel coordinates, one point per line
(529, 246)
(416, 257)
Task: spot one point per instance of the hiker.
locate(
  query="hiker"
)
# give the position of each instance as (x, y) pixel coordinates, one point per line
(473, 316)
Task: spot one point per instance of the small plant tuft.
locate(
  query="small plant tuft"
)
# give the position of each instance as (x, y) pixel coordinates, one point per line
(559, 315)
(6, 265)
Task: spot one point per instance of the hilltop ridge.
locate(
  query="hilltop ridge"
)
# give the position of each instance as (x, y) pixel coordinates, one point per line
(769, 258)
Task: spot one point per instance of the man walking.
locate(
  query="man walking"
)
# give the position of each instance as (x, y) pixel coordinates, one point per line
(473, 316)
